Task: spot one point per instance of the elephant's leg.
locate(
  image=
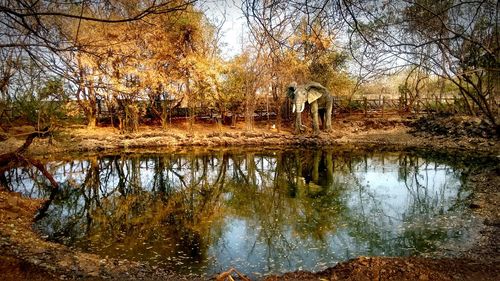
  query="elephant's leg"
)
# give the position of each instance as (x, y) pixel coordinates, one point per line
(328, 117)
(322, 114)
(315, 171)
(329, 168)
(314, 112)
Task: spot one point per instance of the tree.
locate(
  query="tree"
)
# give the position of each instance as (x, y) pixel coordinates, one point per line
(239, 86)
(300, 42)
(462, 43)
(82, 42)
(454, 40)
(31, 23)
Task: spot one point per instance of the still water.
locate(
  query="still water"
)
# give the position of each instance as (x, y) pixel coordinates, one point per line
(268, 211)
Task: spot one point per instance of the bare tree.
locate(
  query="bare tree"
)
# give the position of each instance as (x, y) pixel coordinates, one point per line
(455, 40)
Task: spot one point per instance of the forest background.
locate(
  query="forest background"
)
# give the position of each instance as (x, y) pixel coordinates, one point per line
(127, 63)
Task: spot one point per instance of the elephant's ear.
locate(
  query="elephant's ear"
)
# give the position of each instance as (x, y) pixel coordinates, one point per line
(315, 91)
(313, 95)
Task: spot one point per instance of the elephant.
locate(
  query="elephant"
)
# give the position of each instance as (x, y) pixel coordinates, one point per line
(318, 97)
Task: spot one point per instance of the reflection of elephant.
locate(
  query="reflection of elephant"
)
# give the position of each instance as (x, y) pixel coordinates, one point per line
(313, 173)
(318, 97)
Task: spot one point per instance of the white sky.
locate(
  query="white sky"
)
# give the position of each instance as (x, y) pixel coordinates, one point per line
(233, 26)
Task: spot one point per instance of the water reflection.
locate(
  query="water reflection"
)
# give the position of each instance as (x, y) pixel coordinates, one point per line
(261, 212)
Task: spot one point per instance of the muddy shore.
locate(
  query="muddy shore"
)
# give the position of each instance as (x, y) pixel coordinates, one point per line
(397, 132)
(24, 255)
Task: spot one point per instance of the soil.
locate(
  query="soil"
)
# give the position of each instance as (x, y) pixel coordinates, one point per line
(24, 255)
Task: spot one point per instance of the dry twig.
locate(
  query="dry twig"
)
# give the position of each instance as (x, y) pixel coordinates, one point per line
(227, 275)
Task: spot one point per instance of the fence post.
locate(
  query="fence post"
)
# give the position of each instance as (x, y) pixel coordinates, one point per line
(349, 105)
(365, 101)
(383, 106)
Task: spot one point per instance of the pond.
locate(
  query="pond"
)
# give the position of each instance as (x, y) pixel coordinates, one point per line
(259, 211)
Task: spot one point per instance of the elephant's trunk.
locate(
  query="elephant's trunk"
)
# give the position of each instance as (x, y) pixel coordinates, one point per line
(302, 108)
(299, 109)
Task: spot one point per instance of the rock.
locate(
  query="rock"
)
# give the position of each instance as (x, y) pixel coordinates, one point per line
(424, 277)
(3, 136)
(492, 222)
(214, 134)
(35, 261)
(474, 206)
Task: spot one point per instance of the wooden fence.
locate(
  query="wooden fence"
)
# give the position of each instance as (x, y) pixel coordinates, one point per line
(342, 106)
(383, 105)
(363, 106)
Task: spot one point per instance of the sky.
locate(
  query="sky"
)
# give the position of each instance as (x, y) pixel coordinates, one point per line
(233, 27)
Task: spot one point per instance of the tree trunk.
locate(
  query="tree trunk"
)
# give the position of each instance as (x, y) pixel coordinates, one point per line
(91, 121)
(12, 156)
(249, 113)
(16, 156)
(164, 114)
(191, 105)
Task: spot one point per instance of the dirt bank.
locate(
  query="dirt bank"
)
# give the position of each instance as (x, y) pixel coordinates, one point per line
(394, 131)
(25, 256)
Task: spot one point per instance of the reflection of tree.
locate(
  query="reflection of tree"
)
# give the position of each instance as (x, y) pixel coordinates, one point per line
(428, 204)
(423, 221)
(114, 203)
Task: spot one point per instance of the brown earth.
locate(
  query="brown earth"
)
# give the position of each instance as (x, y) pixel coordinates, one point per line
(24, 255)
(395, 131)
